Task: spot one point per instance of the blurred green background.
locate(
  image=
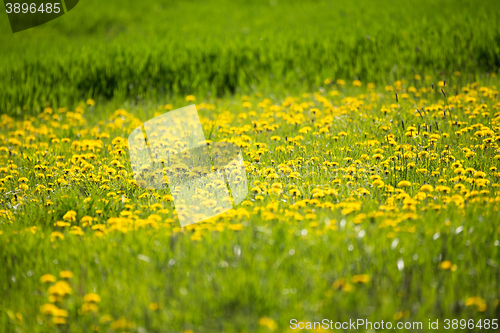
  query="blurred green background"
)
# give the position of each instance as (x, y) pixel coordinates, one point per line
(154, 50)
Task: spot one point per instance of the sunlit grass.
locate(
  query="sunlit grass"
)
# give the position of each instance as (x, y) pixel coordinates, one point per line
(144, 51)
(361, 205)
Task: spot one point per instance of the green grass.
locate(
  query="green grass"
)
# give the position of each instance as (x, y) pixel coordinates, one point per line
(152, 51)
(277, 256)
(278, 266)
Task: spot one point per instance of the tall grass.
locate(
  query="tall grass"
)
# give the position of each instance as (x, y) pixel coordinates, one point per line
(130, 51)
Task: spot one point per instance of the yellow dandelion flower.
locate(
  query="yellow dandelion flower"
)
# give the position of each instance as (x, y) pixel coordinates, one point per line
(70, 216)
(49, 309)
(60, 288)
(445, 265)
(237, 226)
(361, 278)
(59, 320)
(56, 235)
(66, 274)
(426, 188)
(269, 323)
(89, 308)
(404, 183)
(47, 278)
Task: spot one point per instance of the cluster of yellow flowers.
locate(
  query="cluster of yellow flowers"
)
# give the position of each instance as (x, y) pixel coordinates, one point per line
(348, 148)
(308, 161)
(57, 292)
(315, 160)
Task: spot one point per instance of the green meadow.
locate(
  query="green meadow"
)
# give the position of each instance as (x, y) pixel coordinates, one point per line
(370, 135)
(143, 51)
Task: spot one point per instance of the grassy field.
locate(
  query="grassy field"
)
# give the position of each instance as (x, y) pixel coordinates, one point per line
(143, 51)
(370, 135)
